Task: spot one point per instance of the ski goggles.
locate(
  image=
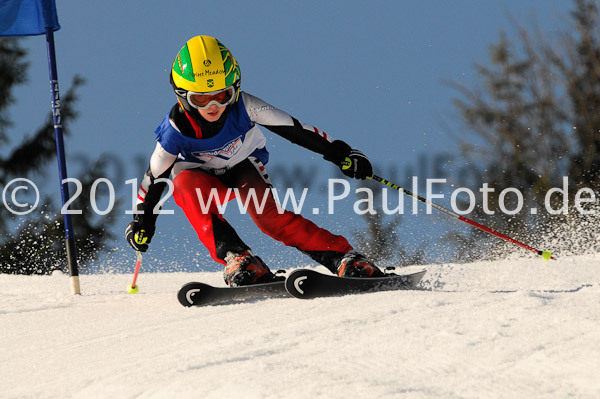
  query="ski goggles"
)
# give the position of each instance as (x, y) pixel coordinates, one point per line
(220, 98)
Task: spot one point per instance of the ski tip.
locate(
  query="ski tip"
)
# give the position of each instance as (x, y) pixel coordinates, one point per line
(187, 293)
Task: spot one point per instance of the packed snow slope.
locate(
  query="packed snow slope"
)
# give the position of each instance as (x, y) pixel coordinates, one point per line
(520, 328)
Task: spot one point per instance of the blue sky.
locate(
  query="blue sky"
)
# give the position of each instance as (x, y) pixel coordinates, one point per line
(370, 73)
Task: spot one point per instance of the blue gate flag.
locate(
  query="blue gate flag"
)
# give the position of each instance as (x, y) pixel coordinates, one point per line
(27, 17)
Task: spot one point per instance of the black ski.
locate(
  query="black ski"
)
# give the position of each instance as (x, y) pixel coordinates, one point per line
(302, 283)
(308, 284)
(200, 294)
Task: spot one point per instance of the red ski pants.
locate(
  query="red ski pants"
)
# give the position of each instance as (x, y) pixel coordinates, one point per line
(192, 189)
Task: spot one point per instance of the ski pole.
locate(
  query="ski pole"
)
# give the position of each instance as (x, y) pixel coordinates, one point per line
(133, 288)
(546, 255)
(140, 238)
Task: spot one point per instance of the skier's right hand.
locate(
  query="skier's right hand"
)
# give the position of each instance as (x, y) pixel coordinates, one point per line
(139, 236)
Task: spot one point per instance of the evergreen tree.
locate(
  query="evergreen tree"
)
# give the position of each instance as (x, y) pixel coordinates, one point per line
(34, 244)
(380, 241)
(533, 118)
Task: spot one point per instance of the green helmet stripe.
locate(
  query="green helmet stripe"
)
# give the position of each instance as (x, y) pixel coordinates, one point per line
(232, 70)
(183, 65)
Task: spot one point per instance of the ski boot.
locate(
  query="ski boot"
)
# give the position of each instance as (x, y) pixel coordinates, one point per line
(244, 269)
(356, 265)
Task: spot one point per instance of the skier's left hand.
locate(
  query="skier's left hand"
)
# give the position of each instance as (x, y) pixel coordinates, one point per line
(357, 165)
(352, 162)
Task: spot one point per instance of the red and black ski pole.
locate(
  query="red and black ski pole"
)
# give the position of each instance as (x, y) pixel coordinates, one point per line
(546, 255)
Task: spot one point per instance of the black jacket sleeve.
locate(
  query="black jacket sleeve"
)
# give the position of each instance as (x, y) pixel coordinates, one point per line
(149, 196)
(297, 134)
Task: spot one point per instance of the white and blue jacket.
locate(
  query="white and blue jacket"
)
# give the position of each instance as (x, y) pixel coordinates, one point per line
(179, 148)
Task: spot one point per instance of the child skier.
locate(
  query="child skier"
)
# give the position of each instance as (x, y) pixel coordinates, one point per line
(209, 141)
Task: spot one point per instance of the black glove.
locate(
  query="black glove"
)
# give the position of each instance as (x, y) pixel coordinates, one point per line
(353, 163)
(138, 235)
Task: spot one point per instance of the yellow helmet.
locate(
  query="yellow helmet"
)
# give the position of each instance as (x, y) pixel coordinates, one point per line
(204, 65)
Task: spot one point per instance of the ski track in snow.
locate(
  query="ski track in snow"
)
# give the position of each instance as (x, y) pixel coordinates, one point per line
(519, 328)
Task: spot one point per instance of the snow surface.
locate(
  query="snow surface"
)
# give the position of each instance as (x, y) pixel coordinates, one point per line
(519, 328)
